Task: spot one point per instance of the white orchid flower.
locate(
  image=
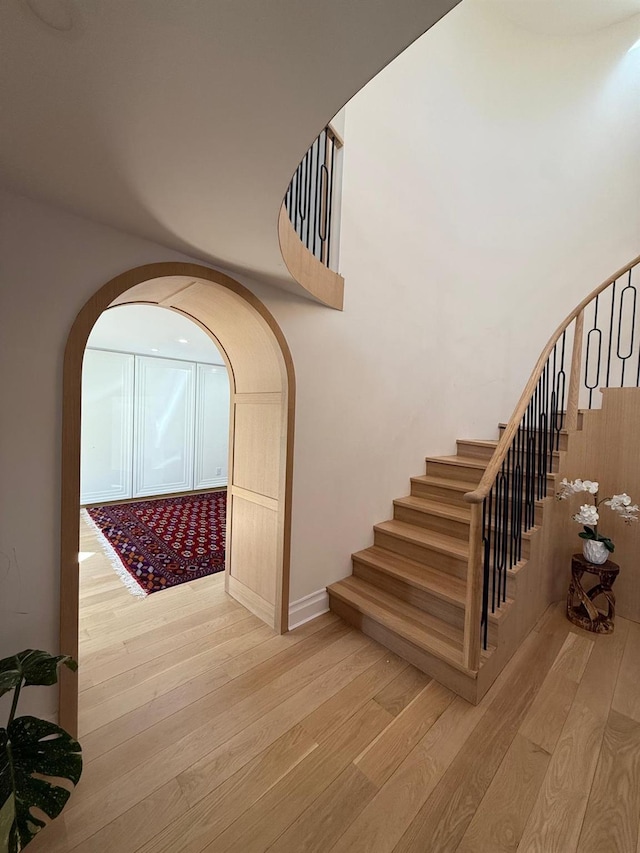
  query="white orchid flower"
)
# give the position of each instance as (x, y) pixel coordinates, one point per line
(591, 487)
(588, 515)
(629, 513)
(619, 502)
(577, 486)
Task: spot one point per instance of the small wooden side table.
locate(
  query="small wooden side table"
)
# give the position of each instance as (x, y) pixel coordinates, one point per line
(580, 607)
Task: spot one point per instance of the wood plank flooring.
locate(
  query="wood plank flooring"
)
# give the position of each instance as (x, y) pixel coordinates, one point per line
(203, 730)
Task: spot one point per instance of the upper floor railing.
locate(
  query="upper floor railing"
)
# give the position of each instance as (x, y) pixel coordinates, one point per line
(311, 197)
(567, 376)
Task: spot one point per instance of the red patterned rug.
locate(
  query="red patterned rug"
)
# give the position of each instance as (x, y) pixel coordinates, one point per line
(160, 543)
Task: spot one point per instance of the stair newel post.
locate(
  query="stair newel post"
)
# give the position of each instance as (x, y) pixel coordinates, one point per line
(473, 606)
(571, 423)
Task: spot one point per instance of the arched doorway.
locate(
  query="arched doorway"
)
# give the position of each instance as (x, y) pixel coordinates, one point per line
(262, 426)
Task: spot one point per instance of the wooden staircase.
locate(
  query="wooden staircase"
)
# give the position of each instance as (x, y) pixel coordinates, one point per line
(477, 551)
(409, 589)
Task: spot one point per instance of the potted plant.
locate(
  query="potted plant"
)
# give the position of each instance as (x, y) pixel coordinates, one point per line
(596, 547)
(32, 752)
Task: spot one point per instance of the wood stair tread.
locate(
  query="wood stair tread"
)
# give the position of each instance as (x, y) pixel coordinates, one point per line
(562, 431)
(462, 461)
(456, 485)
(457, 513)
(436, 541)
(440, 584)
(480, 442)
(460, 485)
(469, 461)
(417, 627)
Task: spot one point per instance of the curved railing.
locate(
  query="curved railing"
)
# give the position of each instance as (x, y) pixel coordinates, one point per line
(310, 197)
(309, 221)
(567, 376)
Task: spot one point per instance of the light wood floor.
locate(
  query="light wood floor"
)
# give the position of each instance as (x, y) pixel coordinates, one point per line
(204, 731)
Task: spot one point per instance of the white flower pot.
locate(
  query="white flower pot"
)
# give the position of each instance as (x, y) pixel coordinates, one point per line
(594, 551)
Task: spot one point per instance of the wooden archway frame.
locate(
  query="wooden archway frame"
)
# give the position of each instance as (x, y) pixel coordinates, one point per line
(199, 293)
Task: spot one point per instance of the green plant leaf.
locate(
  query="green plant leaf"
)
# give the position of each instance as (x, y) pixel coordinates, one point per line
(10, 676)
(7, 813)
(40, 667)
(588, 535)
(31, 746)
(608, 544)
(34, 666)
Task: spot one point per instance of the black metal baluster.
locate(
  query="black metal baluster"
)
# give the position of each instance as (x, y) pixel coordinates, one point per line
(303, 197)
(623, 358)
(518, 486)
(610, 347)
(594, 331)
(542, 433)
(287, 200)
(511, 465)
(307, 241)
(293, 213)
(486, 541)
(507, 558)
(560, 394)
(531, 462)
(330, 183)
(316, 195)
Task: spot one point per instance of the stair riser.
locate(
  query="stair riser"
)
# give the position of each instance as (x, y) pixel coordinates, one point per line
(563, 443)
(429, 521)
(452, 678)
(477, 451)
(485, 453)
(511, 587)
(538, 514)
(421, 553)
(555, 463)
(526, 549)
(457, 529)
(452, 497)
(451, 471)
(448, 611)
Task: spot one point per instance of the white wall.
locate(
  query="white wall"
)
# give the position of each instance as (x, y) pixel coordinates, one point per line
(491, 180)
(526, 203)
(51, 262)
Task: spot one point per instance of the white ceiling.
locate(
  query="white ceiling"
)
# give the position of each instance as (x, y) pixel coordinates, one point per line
(183, 120)
(154, 331)
(565, 17)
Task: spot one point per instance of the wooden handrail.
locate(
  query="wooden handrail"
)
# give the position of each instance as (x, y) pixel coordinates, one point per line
(500, 453)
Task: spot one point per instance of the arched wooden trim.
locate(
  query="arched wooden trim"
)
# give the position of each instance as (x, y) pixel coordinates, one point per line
(321, 282)
(70, 460)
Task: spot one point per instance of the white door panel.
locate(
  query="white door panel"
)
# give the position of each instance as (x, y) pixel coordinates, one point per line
(212, 427)
(107, 426)
(164, 424)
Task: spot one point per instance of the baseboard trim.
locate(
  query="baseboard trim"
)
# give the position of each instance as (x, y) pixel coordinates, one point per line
(308, 607)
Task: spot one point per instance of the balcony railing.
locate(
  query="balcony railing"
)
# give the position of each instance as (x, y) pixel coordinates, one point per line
(311, 198)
